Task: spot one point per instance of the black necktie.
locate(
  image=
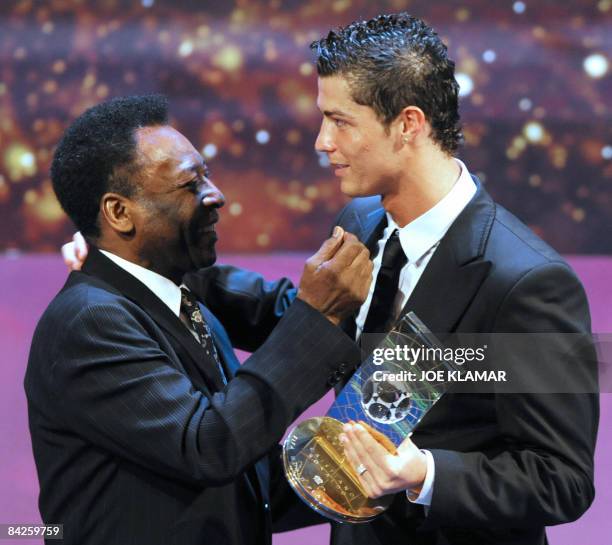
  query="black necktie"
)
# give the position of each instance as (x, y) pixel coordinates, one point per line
(380, 315)
(189, 305)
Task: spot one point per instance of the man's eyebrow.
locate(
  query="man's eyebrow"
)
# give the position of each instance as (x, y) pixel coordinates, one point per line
(193, 165)
(330, 113)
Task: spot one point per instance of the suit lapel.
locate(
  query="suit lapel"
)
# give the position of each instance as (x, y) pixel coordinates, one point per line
(456, 270)
(190, 351)
(368, 224)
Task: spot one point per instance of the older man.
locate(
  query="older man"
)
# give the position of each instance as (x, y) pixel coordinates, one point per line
(144, 427)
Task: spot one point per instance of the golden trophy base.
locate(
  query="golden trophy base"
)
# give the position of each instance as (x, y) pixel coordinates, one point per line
(319, 472)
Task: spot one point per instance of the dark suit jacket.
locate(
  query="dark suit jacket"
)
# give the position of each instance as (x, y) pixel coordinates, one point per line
(505, 465)
(136, 441)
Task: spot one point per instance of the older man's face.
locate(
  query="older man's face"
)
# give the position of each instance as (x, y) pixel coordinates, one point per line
(177, 204)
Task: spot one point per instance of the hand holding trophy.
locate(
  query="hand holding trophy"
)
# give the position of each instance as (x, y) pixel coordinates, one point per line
(387, 399)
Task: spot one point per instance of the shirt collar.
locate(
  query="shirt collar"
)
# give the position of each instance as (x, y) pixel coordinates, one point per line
(421, 234)
(162, 287)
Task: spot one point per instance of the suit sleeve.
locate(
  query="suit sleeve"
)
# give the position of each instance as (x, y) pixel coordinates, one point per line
(248, 306)
(543, 472)
(118, 389)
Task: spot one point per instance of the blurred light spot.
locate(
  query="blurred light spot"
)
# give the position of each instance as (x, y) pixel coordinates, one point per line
(59, 66)
(519, 7)
(209, 151)
(20, 53)
(595, 65)
(263, 239)
(186, 48)
(462, 14)
(47, 28)
(89, 81)
(238, 16)
(20, 162)
(306, 69)
(50, 86)
(29, 197)
(525, 104)
(235, 209)
(466, 85)
(558, 157)
(535, 180)
(533, 131)
(578, 215)
(311, 192)
(606, 152)
(539, 112)
(341, 5)
(2, 88)
(102, 91)
(323, 159)
(604, 5)
(219, 128)
(43, 204)
(262, 137)
(203, 31)
(229, 58)
(236, 149)
(477, 99)
(489, 56)
(147, 3)
(238, 125)
(294, 136)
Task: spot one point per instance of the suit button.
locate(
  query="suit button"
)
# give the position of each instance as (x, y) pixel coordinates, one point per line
(332, 380)
(342, 368)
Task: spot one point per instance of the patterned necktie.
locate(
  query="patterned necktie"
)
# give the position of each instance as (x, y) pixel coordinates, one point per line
(189, 305)
(380, 315)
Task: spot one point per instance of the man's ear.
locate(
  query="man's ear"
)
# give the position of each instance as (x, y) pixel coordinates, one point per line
(118, 212)
(412, 124)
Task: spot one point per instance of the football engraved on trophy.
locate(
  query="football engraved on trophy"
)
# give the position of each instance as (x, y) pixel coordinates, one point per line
(389, 407)
(385, 402)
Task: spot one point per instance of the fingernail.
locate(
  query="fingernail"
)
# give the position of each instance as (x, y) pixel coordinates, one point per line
(337, 231)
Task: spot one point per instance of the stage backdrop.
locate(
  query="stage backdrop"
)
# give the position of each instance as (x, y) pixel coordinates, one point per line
(535, 85)
(535, 81)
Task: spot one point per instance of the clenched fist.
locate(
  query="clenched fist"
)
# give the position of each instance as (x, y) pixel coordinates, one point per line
(337, 278)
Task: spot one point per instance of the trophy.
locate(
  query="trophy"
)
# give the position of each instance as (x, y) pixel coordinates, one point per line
(389, 397)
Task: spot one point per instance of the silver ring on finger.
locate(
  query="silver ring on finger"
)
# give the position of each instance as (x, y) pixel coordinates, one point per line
(361, 469)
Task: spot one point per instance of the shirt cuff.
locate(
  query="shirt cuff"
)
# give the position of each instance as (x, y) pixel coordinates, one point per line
(424, 498)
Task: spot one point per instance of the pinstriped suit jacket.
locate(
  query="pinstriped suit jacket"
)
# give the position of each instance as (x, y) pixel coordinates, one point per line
(134, 439)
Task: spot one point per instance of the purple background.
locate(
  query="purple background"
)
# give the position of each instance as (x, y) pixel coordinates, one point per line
(29, 283)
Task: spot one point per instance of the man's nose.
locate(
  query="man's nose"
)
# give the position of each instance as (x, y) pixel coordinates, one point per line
(212, 196)
(324, 142)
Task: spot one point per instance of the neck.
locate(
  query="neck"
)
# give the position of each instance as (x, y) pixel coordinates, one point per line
(428, 178)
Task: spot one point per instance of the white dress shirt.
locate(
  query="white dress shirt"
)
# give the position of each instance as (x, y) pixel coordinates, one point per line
(419, 239)
(162, 287)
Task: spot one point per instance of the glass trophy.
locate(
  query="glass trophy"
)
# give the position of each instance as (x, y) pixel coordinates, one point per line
(389, 397)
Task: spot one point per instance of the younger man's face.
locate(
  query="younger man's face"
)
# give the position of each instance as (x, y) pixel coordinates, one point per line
(362, 153)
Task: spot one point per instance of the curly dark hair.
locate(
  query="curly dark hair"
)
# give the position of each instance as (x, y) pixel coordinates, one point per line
(97, 154)
(394, 61)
